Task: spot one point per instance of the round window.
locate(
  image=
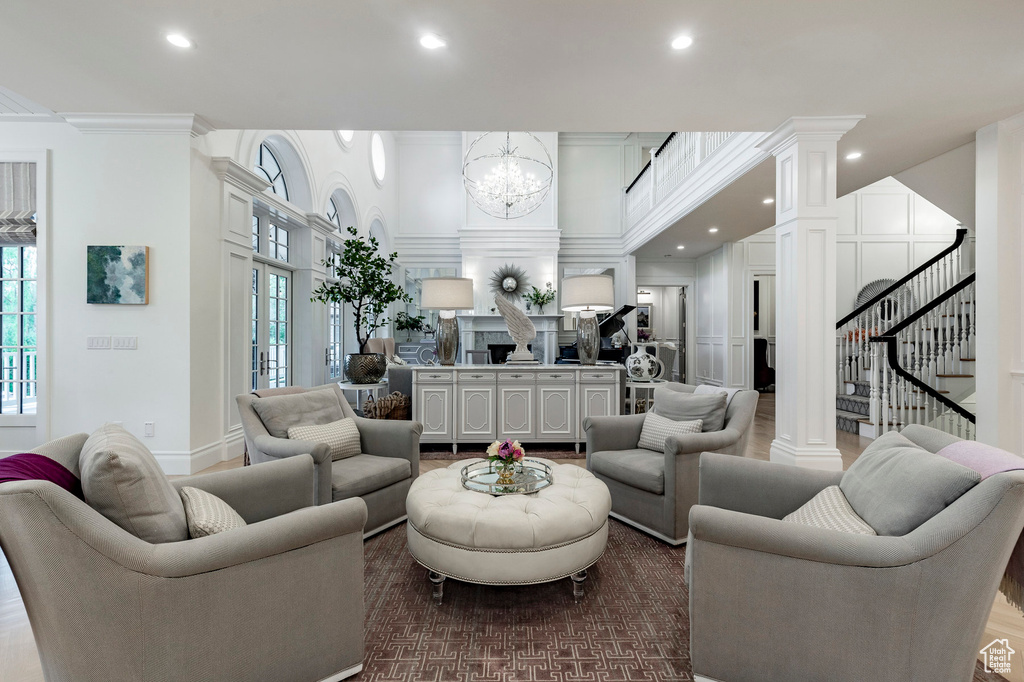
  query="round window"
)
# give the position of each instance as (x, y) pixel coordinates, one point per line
(377, 157)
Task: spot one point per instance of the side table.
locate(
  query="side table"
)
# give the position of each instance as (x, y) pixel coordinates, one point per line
(369, 389)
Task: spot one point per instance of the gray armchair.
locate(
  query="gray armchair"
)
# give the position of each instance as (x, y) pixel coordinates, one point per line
(653, 491)
(380, 475)
(775, 600)
(106, 606)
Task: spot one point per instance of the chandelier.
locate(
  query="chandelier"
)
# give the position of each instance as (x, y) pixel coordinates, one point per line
(503, 181)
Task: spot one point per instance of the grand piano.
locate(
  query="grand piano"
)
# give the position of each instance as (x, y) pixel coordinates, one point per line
(608, 327)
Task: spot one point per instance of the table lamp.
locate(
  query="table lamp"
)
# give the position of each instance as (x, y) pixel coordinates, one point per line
(588, 294)
(447, 294)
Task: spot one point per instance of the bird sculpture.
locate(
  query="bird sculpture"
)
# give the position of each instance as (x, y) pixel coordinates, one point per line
(520, 328)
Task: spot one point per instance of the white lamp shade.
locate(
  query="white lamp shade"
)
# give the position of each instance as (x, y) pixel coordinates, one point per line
(588, 292)
(447, 293)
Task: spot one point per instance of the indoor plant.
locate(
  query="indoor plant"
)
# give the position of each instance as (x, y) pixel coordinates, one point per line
(505, 456)
(408, 323)
(363, 280)
(540, 298)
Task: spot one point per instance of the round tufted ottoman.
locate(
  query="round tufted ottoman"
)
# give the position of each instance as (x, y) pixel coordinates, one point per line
(555, 533)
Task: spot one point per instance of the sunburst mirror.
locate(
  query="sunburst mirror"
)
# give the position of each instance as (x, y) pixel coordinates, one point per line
(897, 304)
(510, 281)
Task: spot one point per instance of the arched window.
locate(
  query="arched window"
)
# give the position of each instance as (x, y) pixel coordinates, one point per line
(332, 212)
(269, 168)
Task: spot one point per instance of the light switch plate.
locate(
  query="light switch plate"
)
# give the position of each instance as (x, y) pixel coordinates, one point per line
(125, 342)
(97, 342)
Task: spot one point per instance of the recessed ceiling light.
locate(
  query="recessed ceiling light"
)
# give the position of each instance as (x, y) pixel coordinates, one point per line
(179, 40)
(680, 247)
(712, 230)
(853, 156)
(682, 42)
(432, 41)
(769, 200)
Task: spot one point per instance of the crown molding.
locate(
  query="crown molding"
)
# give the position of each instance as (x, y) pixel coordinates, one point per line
(234, 173)
(810, 127)
(138, 124)
(322, 224)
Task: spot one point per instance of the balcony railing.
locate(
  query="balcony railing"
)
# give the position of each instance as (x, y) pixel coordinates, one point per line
(674, 160)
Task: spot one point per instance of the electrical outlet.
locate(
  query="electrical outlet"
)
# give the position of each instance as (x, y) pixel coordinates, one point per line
(97, 342)
(150, 429)
(125, 342)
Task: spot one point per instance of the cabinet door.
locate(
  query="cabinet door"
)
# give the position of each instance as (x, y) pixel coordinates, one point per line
(475, 413)
(556, 412)
(516, 411)
(596, 400)
(434, 410)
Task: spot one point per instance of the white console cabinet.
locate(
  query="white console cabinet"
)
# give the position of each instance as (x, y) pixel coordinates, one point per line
(528, 403)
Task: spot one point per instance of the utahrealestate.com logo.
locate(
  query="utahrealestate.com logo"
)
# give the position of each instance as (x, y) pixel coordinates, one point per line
(997, 656)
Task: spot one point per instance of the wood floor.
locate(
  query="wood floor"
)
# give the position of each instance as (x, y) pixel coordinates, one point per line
(20, 663)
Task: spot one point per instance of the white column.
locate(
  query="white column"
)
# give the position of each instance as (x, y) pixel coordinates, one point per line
(805, 256)
(999, 260)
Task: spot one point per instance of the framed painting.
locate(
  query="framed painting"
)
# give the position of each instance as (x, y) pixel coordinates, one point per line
(643, 316)
(117, 275)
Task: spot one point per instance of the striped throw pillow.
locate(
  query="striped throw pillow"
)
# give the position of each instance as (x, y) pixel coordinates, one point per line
(657, 428)
(341, 436)
(208, 514)
(830, 509)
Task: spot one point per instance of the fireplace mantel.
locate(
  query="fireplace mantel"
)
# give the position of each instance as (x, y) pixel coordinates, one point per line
(547, 332)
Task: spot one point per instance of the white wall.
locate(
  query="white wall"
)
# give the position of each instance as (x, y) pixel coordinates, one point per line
(712, 312)
(948, 181)
(114, 189)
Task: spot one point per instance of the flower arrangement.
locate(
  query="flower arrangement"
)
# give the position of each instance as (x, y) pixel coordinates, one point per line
(643, 335)
(505, 453)
(540, 298)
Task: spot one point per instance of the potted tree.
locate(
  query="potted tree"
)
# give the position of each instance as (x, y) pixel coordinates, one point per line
(363, 280)
(408, 324)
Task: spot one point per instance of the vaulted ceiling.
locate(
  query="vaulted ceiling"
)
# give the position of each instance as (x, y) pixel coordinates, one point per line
(927, 74)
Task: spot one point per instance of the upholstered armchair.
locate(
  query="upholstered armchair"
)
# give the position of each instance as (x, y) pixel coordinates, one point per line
(654, 491)
(381, 474)
(776, 600)
(384, 346)
(278, 599)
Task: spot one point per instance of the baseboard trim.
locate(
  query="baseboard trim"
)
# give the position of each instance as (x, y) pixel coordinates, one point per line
(701, 678)
(387, 525)
(204, 457)
(649, 531)
(347, 672)
(825, 458)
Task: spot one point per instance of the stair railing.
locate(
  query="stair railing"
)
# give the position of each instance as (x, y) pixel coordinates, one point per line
(890, 307)
(909, 358)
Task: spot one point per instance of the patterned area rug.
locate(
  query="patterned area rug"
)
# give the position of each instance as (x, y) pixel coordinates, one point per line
(631, 625)
(442, 451)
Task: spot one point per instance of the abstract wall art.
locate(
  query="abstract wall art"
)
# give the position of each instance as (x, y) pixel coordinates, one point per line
(117, 275)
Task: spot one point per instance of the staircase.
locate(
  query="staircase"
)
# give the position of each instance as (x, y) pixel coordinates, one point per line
(907, 355)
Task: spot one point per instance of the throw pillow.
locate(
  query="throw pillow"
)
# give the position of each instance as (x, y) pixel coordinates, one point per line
(657, 428)
(342, 436)
(710, 409)
(208, 514)
(830, 509)
(29, 466)
(896, 487)
(312, 407)
(730, 393)
(123, 481)
(984, 459)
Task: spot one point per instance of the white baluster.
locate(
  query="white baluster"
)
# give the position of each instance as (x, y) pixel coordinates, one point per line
(875, 408)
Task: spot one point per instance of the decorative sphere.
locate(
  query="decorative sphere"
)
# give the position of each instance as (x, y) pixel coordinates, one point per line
(509, 284)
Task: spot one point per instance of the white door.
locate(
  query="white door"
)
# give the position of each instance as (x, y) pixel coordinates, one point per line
(596, 401)
(475, 410)
(271, 331)
(434, 410)
(515, 411)
(556, 414)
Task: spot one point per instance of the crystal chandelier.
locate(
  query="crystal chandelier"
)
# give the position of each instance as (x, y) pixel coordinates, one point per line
(514, 183)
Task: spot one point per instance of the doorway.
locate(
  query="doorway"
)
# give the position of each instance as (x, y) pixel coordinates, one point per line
(763, 326)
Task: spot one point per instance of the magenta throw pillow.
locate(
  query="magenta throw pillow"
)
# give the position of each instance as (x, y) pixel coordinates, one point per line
(984, 459)
(29, 466)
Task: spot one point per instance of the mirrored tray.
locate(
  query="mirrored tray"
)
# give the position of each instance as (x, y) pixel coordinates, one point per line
(482, 477)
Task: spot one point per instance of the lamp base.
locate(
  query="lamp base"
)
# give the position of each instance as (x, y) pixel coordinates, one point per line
(447, 339)
(588, 339)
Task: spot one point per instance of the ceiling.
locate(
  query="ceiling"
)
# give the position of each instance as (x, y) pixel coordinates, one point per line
(926, 73)
(738, 211)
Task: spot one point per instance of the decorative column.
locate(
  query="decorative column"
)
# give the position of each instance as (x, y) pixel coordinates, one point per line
(805, 250)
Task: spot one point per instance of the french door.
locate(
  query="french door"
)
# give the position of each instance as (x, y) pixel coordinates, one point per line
(271, 336)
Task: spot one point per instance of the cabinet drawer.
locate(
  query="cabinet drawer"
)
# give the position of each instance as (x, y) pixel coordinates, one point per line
(557, 376)
(597, 375)
(466, 377)
(434, 376)
(517, 376)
